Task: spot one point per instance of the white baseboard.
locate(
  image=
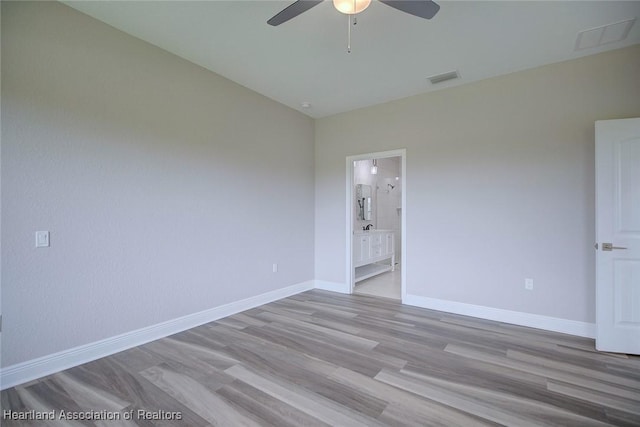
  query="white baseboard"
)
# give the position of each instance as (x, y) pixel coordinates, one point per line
(572, 327)
(46, 365)
(342, 288)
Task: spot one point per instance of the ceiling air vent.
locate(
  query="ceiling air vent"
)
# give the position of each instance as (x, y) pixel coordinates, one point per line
(439, 78)
(605, 34)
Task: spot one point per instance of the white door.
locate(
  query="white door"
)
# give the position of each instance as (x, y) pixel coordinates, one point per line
(618, 235)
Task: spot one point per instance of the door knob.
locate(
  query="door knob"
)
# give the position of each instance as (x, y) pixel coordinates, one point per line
(610, 247)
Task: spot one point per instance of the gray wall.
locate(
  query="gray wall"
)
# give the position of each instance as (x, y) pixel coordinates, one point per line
(500, 183)
(167, 188)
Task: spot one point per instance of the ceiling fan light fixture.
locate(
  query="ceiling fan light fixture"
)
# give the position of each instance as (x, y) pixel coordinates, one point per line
(351, 7)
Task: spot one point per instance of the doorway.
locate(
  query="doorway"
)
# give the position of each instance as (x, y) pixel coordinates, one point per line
(375, 224)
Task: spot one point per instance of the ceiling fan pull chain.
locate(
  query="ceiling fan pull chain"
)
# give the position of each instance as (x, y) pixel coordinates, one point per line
(349, 25)
(349, 34)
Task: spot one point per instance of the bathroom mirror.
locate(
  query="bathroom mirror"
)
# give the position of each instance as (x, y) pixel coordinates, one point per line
(363, 202)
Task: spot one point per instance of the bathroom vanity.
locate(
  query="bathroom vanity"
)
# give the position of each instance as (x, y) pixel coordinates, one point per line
(373, 253)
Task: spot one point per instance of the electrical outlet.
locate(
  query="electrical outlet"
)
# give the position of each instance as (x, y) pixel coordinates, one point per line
(528, 284)
(275, 268)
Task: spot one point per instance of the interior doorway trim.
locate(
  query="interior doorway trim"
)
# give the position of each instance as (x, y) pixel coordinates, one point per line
(349, 274)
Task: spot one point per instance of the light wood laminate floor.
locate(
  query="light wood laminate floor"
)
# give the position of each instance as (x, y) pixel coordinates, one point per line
(320, 358)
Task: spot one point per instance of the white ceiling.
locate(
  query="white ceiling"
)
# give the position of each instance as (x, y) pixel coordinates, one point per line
(305, 59)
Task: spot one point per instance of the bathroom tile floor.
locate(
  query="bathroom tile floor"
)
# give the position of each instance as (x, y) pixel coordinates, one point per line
(385, 285)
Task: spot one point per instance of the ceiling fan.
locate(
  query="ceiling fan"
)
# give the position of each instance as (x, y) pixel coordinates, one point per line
(422, 8)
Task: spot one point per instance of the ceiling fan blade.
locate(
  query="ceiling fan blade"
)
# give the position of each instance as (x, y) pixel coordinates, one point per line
(292, 11)
(422, 8)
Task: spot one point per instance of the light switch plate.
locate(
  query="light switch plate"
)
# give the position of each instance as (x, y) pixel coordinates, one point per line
(528, 284)
(42, 239)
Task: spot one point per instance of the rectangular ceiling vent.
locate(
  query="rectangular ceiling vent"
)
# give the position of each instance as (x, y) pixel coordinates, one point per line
(605, 34)
(440, 78)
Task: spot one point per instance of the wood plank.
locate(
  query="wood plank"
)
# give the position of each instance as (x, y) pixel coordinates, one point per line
(198, 398)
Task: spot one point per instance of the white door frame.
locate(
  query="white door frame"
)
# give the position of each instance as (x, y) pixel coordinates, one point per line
(349, 274)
